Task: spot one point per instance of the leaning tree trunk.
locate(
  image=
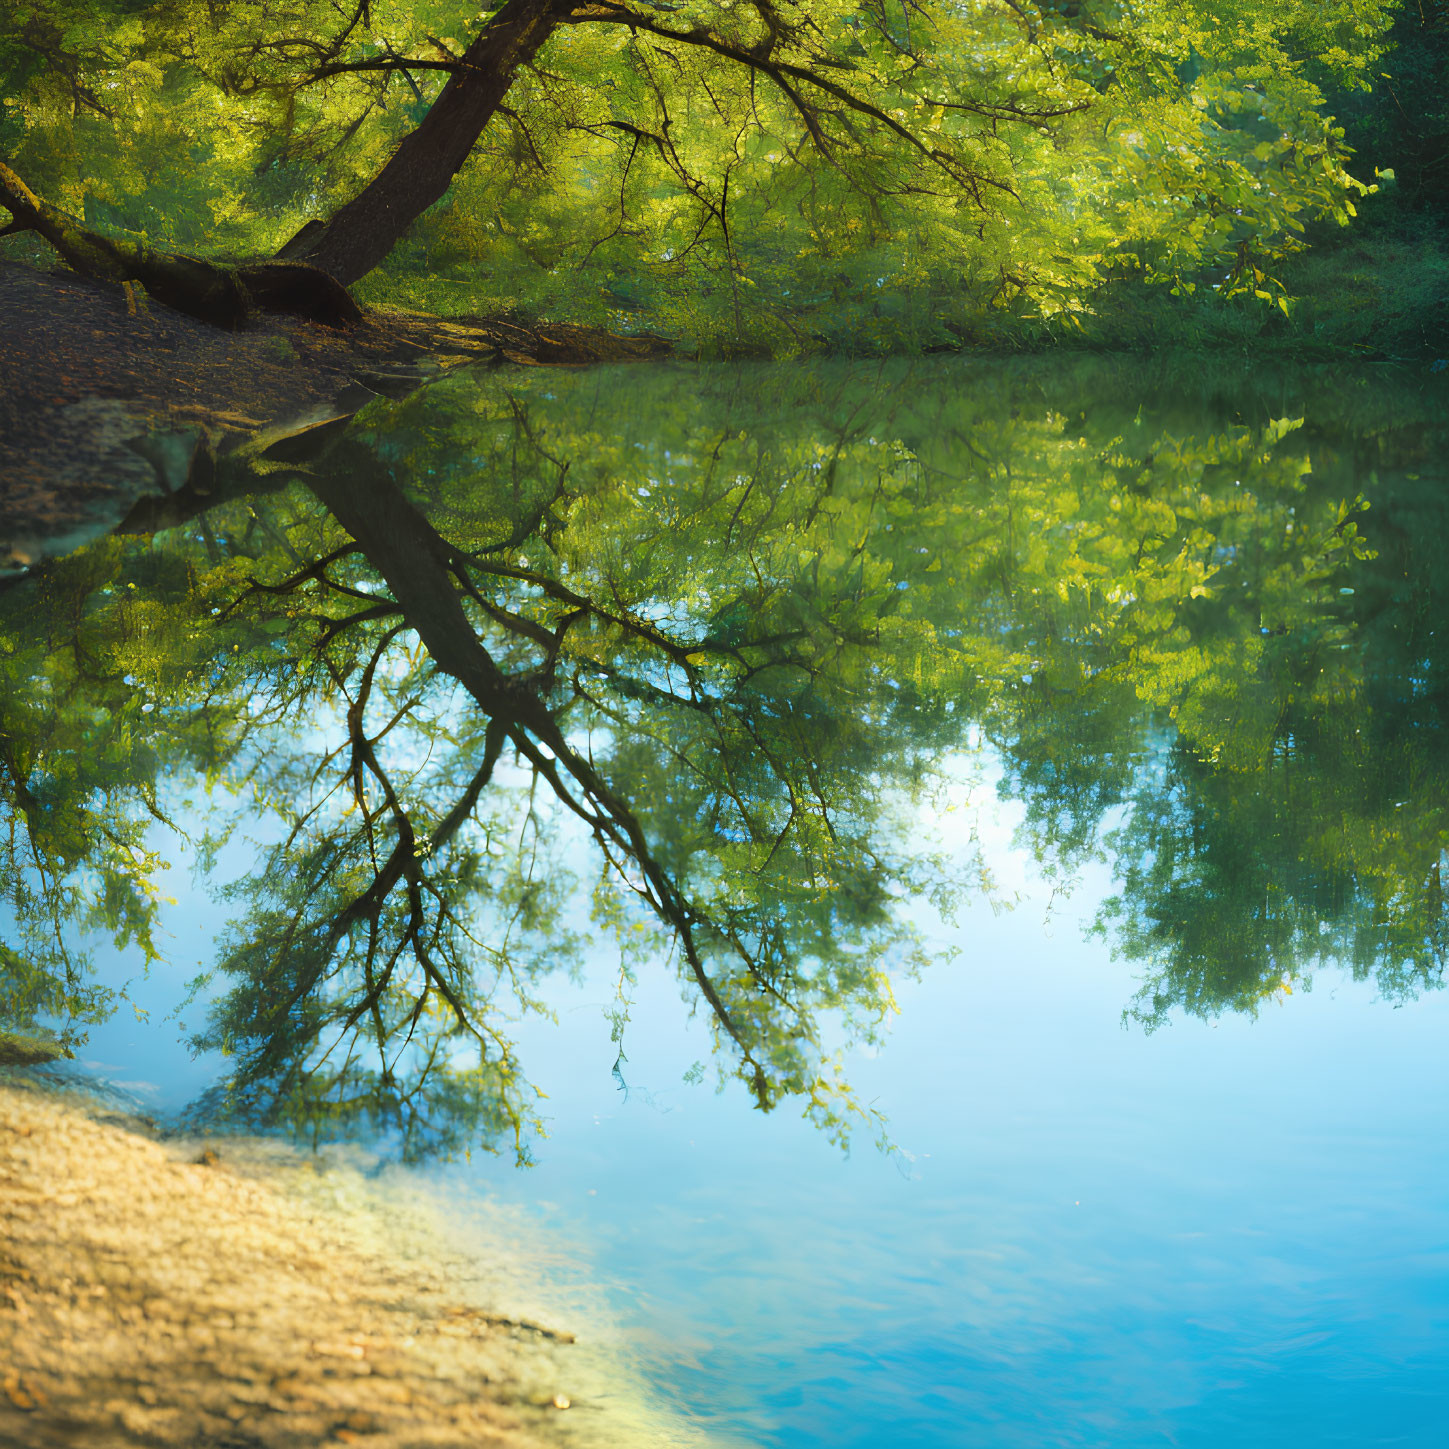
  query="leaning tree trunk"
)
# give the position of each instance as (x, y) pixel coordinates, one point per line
(221, 293)
(360, 234)
(312, 272)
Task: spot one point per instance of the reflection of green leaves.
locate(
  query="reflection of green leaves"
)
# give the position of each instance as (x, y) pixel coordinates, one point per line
(104, 671)
(738, 635)
(726, 678)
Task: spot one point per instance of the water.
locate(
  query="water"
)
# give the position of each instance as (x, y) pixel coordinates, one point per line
(1230, 1233)
(1227, 1230)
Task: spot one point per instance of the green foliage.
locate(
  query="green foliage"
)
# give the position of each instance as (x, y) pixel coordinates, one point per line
(642, 179)
(1398, 125)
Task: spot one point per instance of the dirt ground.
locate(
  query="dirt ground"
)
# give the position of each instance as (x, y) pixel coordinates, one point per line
(94, 395)
(245, 1295)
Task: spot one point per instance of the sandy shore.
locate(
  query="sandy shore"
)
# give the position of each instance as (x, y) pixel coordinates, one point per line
(245, 1294)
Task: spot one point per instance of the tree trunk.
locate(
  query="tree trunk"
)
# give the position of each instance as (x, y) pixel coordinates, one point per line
(220, 293)
(311, 273)
(361, 234)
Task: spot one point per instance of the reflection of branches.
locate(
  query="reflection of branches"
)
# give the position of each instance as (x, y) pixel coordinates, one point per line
(415, 562)
(317, 923)
(367, 956)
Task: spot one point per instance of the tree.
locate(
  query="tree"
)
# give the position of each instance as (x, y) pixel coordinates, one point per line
(1402, 125)
(1011, 153)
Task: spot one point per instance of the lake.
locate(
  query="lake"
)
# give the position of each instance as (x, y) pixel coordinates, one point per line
(1032, 773)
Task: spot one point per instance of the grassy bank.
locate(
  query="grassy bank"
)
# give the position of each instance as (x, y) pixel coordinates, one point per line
(1378, 290)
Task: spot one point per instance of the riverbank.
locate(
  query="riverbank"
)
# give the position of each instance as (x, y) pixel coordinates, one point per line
(101, 407)
(243, 1293)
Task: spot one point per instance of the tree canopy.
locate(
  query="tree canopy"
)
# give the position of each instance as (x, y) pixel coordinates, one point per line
(753, 174)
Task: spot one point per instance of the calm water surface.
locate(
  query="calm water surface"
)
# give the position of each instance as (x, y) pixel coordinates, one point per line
(1168, 1090)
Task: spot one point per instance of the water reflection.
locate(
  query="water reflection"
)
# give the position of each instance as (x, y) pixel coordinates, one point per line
(738, 627)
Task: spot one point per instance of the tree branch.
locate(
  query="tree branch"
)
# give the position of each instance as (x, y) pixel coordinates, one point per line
(787, 76)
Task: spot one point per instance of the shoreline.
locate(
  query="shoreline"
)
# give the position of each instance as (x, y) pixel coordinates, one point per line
(245, 1294)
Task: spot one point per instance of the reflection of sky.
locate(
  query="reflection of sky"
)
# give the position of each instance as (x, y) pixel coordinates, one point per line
(1218, 1235)
(1211, 1236)
(141, 1048)
(1215, 1235)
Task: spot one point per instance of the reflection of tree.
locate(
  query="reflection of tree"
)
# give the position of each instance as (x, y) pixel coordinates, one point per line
(1207, 642)
(728, 758)
(725, 632)
(88, 652)
(1328, 846)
